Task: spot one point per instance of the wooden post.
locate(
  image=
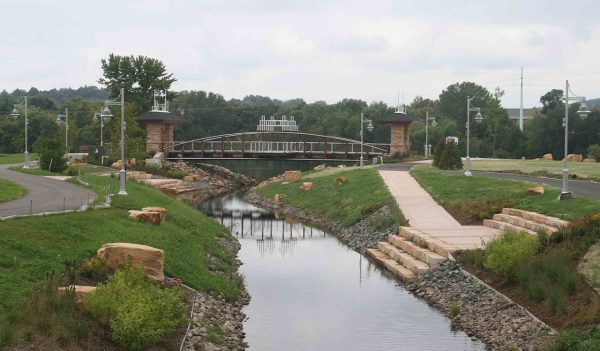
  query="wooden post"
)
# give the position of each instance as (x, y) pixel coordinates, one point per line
(222, 147)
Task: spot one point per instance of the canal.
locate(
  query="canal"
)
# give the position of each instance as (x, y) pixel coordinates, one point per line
(311, 292)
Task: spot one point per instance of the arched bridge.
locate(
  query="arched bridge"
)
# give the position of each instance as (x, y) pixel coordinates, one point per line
(275, 144)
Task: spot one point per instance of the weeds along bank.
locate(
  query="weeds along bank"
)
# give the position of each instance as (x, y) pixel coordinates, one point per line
(32, 250)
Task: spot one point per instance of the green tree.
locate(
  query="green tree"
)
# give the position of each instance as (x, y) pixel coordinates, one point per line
(52, 155)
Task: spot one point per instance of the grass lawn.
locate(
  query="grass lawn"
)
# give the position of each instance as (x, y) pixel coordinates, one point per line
(538, 167)
(10, 190)
(453, 188)
(72, 170)
(32, 247)
(362, 193)
(15, 158)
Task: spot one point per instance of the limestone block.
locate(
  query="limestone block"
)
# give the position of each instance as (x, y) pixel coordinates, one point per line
(340, 180)
(79, 290)
(574, 158)
(116, 255)
(116, 165)
(589, 160)
(292, 176)
(161, 210)
(538, 190)
(306, 186)
(320, 167)
(548, 157)
(145, 216)
(188, 178)
(278, 197)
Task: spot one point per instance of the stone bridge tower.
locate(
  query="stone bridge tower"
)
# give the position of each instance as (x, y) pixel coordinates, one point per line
(159, 124)
(400, 138)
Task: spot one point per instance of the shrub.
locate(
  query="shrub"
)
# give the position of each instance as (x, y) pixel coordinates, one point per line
(52, 156)
(446, 156)
(505, 252)
(454, 310)
(594, 152)
(138, 312)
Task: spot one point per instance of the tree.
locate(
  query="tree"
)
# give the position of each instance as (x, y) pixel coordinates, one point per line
(52, 155)
(140, 76)
(453, 101)
(551, 100)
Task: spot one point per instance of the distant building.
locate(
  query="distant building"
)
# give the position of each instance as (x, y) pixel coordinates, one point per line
(528, 114)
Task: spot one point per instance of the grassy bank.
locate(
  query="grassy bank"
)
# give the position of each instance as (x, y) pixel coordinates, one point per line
(30, 248)
(538, 167)
(10, 191)
(362, 194)
(479, 197)
(71, 170)
(6, 159)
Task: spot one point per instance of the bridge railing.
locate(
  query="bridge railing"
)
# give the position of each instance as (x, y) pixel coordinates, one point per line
(278, 147)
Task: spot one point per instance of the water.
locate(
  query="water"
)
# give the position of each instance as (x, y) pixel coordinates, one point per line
(311, 292)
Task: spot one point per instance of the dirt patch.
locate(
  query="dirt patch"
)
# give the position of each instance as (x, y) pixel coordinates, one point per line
(583, 309)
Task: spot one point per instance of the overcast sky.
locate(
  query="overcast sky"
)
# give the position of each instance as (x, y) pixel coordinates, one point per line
(310, 49)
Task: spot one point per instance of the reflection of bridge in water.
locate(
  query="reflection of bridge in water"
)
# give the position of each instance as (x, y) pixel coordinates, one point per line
(268, 230)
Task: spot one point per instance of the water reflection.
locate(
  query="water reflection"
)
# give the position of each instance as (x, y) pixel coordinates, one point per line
(310, 292)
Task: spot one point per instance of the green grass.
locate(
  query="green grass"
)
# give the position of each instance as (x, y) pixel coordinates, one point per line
(34, 171)
(453, 188)
(10, 191)
(538, 167)
(363, 193)
(72, 170)
(32, 247)
(6, 159)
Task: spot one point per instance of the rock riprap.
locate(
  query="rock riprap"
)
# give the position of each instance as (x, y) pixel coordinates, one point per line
(117, 255)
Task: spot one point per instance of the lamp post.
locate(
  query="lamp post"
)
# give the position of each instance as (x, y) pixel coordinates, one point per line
(363, 120)
(106, 113)
(478, 119)
(59, 122)
(103, 119)
(15, 114)
(583, 113)
(433, 124)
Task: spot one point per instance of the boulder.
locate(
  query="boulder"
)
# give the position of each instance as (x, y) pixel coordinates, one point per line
(589, 160)
(340, 180)
(145, 216)
(79, 290)
(574, 157)
(538, 190)
(320, 167)
(116, 165)
(292, 176)
(306, 186)
(161, 210)
(132, 162)
(278, 197)
(188, 178)
(342, 166)
(116, 255)
(548, 157)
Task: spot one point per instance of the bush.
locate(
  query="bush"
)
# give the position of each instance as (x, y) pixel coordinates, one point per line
(594, 152)
(138, 312)
(446, 156)
(52, 156)
(505, 252)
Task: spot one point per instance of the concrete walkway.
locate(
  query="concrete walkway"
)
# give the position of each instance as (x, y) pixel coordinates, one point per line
(43, 194)
(426, 215)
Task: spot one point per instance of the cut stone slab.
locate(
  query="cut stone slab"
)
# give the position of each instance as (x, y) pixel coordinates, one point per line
(146, 216)
(390, 264)
(589, 267)
(292, 176)
(117, 255)
(161, 210)
(79, 290)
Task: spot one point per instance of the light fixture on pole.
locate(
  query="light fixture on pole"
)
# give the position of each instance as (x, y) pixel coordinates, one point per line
(120, 101)
(478, 119)
(433, 124)
(59, 121)
(363, 120)
(583, 112)
(103, 117)
(15, 114)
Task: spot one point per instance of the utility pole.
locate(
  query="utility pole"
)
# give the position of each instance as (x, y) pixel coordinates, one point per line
(521, 108)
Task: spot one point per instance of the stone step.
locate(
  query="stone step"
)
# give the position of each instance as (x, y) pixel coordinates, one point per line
(391, 265)
(537, 217)
(525, 223)
(425, 240)
(417, 266)
(503, 226)
(431, 258)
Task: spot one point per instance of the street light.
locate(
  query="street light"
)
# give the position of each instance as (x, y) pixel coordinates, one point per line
(583, 112)
(108, 114)
(478, 119)
(433, 124)
(59, 122)
(104, 116)
(15, 114)
(363, 120)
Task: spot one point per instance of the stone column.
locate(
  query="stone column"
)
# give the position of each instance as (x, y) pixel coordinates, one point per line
(153, 137)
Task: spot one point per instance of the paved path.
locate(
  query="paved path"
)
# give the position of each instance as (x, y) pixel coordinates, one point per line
(425, 214)
(47, 194)
(580, 187)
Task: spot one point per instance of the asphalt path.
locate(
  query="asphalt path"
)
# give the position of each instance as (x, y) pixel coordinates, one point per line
(43, 194)
(578, 187)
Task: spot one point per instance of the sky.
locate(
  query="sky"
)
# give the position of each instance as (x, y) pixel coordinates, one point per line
(311, 49)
